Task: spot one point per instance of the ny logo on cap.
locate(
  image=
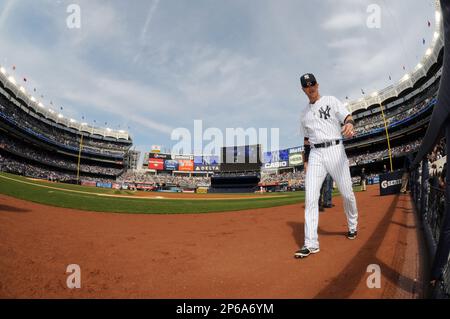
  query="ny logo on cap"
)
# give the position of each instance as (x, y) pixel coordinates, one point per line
(325, 113)
(306, 76)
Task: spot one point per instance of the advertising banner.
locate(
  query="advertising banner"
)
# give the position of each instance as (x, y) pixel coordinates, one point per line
(391, 183)
(295, 159)
(276, 156)
(183, 157)
(210, 160)
(171, 165)
(160, 155)
(156, 164)
(104, 185)
(116, 186)
(295, 150)
(206, 168)
(88, 183)
(276, 165)
(185, 165)
(156, 149)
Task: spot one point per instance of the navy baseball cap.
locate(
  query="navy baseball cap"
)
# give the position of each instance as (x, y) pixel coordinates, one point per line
(308, 79)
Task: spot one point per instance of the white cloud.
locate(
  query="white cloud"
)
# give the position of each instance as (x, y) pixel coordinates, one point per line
(343, 21)
(228, 67)
(348, 43)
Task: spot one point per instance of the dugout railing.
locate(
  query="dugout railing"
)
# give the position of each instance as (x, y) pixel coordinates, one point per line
(429, 199)
(433, 203)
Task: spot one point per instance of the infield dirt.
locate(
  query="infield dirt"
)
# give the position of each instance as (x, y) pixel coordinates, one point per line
(243, 254)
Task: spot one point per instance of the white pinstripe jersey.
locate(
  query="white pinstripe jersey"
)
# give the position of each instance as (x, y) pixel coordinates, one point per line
(322, 120)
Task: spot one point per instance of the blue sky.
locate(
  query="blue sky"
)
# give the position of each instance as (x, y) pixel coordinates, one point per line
(155, 65)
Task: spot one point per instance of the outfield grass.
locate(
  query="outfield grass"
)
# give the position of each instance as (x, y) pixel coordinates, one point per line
(62, 195)
(90, 199)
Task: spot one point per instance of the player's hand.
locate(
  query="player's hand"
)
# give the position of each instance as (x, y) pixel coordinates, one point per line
(347, 130)
(305, 166)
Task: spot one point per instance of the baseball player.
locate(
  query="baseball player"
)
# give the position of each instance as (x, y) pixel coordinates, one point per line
(323, 122)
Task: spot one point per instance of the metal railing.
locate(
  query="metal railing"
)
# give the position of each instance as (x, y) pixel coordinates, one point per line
(429, 200)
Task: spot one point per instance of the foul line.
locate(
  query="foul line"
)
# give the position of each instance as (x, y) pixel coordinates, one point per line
(158, 197)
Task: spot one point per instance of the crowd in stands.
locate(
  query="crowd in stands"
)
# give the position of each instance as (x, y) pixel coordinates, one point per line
(63, 137)
(163, 179)
(22, 149)
(374, 156)
(439, 151)
(294, 179)
(10, 165)
(366, 124)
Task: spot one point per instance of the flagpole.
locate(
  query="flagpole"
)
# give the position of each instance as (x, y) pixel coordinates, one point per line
(387, 136)
(79, 159)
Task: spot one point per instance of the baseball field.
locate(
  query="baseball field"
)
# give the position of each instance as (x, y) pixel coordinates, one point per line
(159, 246)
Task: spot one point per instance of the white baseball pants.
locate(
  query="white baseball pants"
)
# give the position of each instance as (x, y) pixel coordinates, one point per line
(333, 160)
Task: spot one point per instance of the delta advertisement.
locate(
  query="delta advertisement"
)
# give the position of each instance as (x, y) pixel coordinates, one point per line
(206, 168)
(156, 164)
(185, 165)
(206, 163)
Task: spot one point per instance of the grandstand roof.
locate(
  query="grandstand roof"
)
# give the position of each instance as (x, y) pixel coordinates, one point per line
(407, 81)
(20, 92)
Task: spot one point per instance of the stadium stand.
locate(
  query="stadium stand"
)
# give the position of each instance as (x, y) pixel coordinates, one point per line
(33, 144)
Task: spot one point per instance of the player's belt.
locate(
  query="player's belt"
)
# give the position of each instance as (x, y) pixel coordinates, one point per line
(326, 144)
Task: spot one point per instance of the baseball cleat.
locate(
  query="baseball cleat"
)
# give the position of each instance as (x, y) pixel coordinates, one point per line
(352, 234)
(305, 252)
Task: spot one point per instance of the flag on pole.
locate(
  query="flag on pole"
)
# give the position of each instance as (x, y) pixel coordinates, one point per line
(423, 41)
(390, 78)
(429, 24)
(362, 91)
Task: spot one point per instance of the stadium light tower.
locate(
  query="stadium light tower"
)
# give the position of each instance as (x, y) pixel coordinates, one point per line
(2, 69)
